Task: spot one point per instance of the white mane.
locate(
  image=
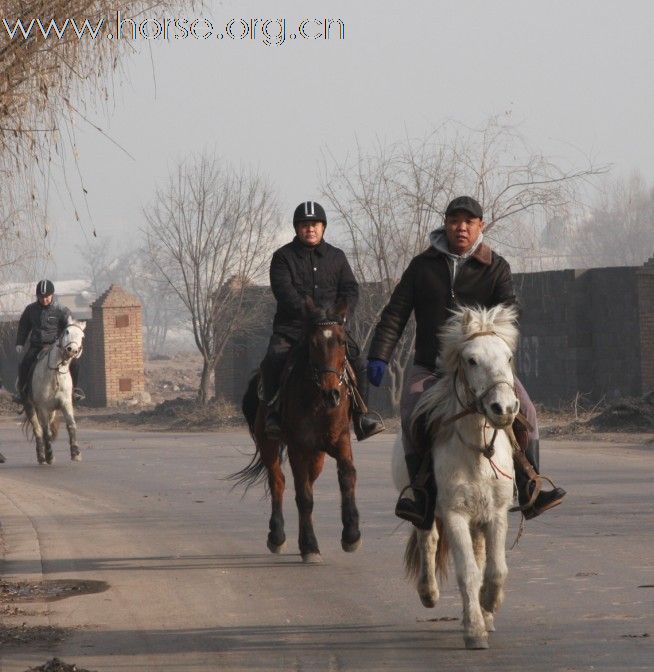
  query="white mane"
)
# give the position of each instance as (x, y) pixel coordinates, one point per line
(438, 400)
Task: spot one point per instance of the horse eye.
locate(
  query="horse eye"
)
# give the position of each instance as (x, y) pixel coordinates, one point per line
(472, 361)
(510, 358)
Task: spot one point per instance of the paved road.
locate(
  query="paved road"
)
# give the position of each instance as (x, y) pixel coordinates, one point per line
(192, 587)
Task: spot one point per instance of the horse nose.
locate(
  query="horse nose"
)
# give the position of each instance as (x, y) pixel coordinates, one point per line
(496, 408)
(333, 397)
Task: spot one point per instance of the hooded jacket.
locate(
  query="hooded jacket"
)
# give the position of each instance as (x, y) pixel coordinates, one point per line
(435, 282)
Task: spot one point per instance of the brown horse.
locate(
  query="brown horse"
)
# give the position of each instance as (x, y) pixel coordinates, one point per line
(315, 412)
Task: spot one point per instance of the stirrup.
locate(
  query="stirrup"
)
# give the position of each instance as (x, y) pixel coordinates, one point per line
(538, 487)
(78, 394)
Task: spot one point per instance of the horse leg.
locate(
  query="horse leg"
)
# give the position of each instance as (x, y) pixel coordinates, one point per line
(270, 455)
(71, 426)
(305, 473)
(479, 547)
(469, 579)
(347, 478)
(427, 585)
(44, 419)
(38, 433)
(492, 590)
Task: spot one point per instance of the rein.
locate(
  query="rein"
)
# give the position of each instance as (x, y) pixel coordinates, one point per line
(476, 408)
(316, 373)
(64, 360)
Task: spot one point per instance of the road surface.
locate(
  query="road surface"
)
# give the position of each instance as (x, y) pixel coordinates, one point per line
(191, 585)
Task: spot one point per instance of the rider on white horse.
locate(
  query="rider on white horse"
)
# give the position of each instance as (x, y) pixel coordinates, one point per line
(44, 321)
(458, 269)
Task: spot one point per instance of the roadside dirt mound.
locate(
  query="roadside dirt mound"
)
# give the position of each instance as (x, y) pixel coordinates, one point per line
(626, 415)
(181, 414)
(56, 665)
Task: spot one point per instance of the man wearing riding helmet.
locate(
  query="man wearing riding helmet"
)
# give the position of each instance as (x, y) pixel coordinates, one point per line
(43, 321)
(458, 268)
(309, 267)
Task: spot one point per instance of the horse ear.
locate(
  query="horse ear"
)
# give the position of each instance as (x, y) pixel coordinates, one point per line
(70, 320)
(82, 325)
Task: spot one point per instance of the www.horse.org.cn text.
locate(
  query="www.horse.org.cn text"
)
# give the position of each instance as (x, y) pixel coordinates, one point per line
(266, 31)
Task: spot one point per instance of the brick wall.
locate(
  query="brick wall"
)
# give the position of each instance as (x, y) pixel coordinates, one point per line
(646, 307)
(116, 366)
(588, 331)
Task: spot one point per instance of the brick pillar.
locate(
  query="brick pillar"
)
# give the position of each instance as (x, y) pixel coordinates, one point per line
(116, 348)
(646, 317)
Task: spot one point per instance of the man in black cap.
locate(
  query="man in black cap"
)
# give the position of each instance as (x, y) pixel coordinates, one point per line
(43, 321)
(458, 269)
(309, 267)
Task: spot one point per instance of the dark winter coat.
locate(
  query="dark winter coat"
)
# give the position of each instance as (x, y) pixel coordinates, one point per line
(426, 288)
(43, 324)
(298, 271)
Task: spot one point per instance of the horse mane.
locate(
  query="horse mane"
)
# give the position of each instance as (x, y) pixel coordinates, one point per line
(438, 401)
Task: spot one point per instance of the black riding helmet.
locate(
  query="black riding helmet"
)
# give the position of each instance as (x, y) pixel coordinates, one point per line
(44, 288)
(309, 211)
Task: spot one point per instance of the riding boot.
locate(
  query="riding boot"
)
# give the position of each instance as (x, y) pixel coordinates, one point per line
(533, 501)
(78, 392)
(418, 510)
(365, 424)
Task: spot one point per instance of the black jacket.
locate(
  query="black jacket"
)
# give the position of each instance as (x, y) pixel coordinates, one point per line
(298, 271)
(43, 324)
(426, 288)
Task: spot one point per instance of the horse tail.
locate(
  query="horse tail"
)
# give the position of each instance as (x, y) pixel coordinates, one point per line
(255, 471)
(250, 403)
(442, 550)
(54, 426)
(412, 556)
(412, 553)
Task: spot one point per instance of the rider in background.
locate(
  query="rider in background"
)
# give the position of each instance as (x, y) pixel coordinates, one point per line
(309, 267)
(43, 321)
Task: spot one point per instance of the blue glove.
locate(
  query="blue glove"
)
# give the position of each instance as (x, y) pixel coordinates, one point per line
(376, 369)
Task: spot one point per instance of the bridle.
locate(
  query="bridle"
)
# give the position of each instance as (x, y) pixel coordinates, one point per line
(317, 373)
(474, 406)
(64, 356)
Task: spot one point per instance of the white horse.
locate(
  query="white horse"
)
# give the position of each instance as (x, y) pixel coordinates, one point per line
(51, 389)
(466, 411)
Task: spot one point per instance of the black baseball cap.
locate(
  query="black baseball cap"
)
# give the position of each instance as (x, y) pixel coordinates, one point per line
(466, 203)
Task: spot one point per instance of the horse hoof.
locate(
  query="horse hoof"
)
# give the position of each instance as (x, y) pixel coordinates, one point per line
(351, 547)
(476, 643)
(276, 549)
(428, 600)
(76, 457)
(49, 459)
(311, 558)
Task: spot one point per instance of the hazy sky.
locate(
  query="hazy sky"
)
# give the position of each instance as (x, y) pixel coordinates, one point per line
(576, 76)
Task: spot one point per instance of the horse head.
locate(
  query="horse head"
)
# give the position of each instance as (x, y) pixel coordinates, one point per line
(478, 345)
(70, 341)
(326, 339)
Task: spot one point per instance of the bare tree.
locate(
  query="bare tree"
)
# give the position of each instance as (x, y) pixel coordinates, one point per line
(389, 200)
(209, 234)
(55, 66)
(134, 270)
(618, 230)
